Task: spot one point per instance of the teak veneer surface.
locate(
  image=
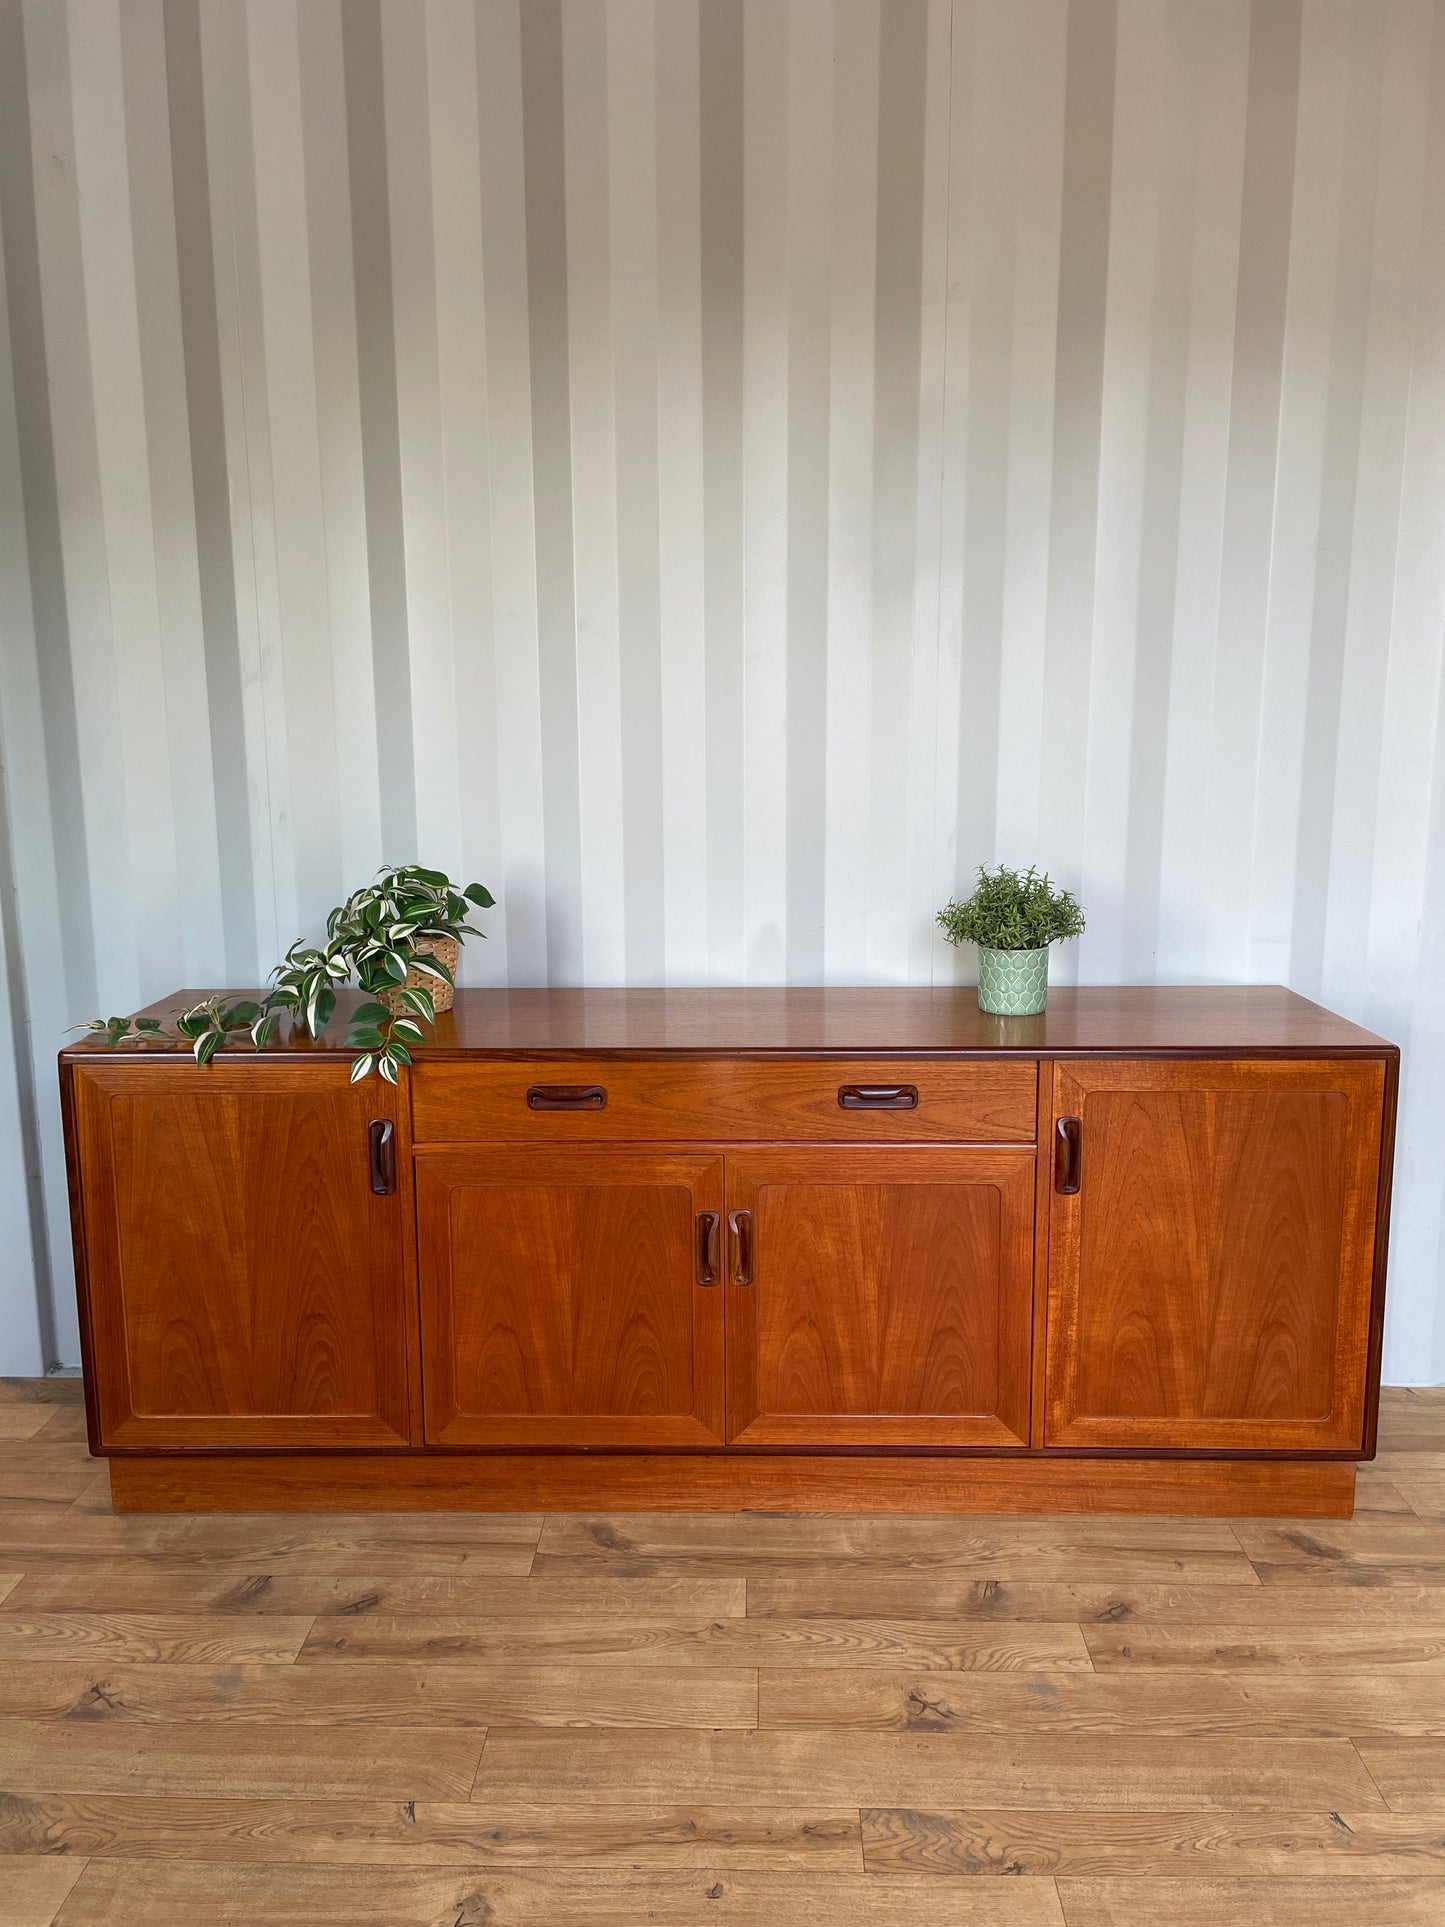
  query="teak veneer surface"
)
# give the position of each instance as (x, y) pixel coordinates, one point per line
(816, 1483)
(718, 1720)
(1143, 1018)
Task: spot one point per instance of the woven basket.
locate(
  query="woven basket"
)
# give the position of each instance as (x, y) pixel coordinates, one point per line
(445, 948)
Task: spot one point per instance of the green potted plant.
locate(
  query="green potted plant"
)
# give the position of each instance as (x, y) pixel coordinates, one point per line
(1013, 916)
(399, 938)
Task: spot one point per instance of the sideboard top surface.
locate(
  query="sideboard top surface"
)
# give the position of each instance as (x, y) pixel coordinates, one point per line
(1172, 1019)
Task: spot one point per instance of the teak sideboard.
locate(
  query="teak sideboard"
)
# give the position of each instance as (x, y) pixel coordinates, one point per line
(793, 1249)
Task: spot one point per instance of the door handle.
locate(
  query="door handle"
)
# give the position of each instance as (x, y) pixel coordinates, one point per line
(1068, 1153)
(567, 1097)
(740, 1223)
(878, 1097)
(709, 1255)
(382, 1134)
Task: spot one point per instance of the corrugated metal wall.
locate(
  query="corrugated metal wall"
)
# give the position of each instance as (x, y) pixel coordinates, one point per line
(717, 470)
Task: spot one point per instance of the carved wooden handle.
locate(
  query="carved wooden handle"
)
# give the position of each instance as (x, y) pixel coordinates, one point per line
(567, 1097)
(709, 1255)
(1068, 1141)
(878, 1097)
(382, 1134)
(740, 1223)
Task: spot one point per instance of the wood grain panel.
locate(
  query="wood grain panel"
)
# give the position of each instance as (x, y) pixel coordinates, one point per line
(1256, 1611)
(1147, 1774)
(1410, 1773)
(171, 1894)
(1177, 1847)
(723, 1100)
(342, 1699)
(760, 1543)
(1205, 1647)
(245, 1286)
(560, 1304)
(32, 1891)
(845, 1700)
(643, 1641)
(373, 1547)
(891, 1300)
(1211, 1282)
(1174, 1019)
(23, 1421)
(677, 1482)
(108, 1637)
(1283, 1903)
(378, 1833)
(237, 1760)
(43, 1475)
(138, 1588)
(1361, 1552)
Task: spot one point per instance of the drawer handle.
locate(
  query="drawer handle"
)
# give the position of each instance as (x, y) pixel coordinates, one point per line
(709, 1255)
(1068, 1149)
(567, 1097)
(878, 1097)
(740, 1223)
(382, 1133)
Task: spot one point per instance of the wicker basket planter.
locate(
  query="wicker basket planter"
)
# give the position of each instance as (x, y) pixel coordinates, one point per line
(446, 950)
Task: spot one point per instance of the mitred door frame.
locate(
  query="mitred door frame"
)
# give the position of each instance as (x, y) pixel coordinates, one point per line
(1009, 1168)
(89, 1091)
(1361, 1082)
(441, 1169)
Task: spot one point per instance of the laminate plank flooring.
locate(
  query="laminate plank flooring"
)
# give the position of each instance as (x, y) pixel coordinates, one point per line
(179, 1894)
(754, 1720)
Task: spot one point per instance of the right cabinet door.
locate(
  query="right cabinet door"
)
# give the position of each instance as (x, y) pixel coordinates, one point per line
(880, 1296)
(1211, 1253)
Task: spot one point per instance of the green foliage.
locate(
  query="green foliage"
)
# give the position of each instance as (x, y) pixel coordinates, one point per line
(372, 937)
(1012, 910)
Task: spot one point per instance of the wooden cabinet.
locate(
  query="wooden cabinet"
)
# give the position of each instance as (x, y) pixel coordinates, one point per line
(880, 1297)
(571, 1297)
(1211, 1276)
(816, 1249)
(246, 1285)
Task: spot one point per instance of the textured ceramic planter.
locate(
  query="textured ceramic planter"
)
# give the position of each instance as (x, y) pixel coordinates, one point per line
(1013, 983)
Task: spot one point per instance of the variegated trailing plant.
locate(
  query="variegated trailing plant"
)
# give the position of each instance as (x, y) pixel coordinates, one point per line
(373, 938)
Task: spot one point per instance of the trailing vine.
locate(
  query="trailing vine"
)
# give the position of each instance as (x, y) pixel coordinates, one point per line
(381, 934)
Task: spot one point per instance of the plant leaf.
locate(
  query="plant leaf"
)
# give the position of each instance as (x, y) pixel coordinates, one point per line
(479, 894)
(432, 967)
(418, 998)
(363, 1067)
(387, 1069)
(208, 1045)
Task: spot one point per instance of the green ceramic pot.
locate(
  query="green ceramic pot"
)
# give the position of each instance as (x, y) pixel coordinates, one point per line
(1013, 983)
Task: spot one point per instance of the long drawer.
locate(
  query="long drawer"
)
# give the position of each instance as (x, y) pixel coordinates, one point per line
(538, 1099)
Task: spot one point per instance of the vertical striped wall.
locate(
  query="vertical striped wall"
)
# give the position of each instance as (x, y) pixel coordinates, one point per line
(717, 470)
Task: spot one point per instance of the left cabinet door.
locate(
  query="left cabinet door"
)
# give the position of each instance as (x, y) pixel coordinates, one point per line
(571, 1297)
(244, 1282)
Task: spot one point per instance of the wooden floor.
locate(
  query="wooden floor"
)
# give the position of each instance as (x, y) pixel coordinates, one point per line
(744, 1720)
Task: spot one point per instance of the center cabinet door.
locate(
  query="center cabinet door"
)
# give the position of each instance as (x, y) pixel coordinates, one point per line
(571, 1297)
(880, 1296)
